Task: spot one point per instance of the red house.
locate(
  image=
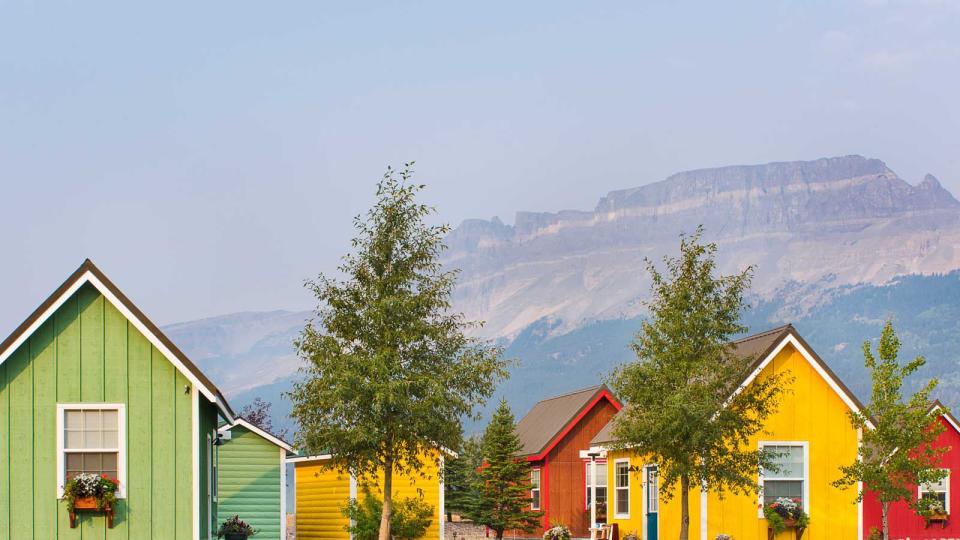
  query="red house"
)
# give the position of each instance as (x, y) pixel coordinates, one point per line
(904, 522)
(552, 434)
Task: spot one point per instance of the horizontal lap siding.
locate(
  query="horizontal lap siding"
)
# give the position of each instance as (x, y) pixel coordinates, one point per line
(250, 482)
(89, 353)
(321, 494)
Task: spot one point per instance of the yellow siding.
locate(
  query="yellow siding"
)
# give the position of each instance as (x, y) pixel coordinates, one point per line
(324, 492)
(809, 412)
(321, 494)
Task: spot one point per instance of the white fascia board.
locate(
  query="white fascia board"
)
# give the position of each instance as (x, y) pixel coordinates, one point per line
(89, 277)
(258, 431)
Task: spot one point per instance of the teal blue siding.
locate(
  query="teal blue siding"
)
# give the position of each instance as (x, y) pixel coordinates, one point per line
(250, 482)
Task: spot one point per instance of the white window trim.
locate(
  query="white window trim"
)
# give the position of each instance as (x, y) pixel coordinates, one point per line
(538, 489)
(121, 442)
(586, 483)
(806, 473)
(946, 497)
(617, 514)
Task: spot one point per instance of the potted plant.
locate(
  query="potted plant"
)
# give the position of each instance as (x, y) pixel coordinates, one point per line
(785, 513)
(235, 529)
(557, 532)
(722, 536)
(931, 509)
(631, 536)
(91, 492)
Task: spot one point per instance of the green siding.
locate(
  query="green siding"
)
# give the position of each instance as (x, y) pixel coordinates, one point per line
(250, 472)
(89, 353)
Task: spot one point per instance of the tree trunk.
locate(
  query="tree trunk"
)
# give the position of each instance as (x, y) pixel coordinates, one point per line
(684, 507)
(884, 507)
(499, 533)
(387, 499)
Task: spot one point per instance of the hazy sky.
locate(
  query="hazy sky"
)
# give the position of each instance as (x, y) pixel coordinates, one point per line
(210, 155)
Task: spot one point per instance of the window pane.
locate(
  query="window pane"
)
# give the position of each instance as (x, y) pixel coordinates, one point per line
(774, 489)
(535, 496)
(73, 440)
(622, 474)
(109, 462)
(601, 475)
(74, 464)
(92, 462)
(92, 439)
(110, 439)
(91, 420)
(788, 459)
(535, 479)
(110, 420)
(73, 420)
(623, 501)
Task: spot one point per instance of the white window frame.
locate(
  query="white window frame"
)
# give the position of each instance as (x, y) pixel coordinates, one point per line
(617, 514)
(946, 497)
(806, 473)
(586, 483)
(62, 408)
(538, 489)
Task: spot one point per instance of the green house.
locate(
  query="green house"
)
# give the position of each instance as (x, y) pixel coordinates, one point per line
(89, 384)
(252, 470)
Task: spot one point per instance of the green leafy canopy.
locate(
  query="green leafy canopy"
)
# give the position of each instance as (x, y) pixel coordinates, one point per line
(390, 368)
(684, 411)
(897, 452)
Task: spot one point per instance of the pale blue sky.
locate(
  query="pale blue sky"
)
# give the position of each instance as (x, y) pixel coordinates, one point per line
(209, 155)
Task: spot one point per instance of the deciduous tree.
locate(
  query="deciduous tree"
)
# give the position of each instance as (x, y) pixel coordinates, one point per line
(391, 370)
(685, 412)
(896, 454)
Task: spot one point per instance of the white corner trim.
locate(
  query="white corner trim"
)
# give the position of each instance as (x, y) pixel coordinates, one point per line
(704, 496)
(859, 490)
(121, 442)
(831, 382)
(442, 500)
(195, 435)
(283, 494)
(353, 496)
(266, 435)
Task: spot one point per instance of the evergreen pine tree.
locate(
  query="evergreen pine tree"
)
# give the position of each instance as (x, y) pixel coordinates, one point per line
(460, 478)
(502, 499)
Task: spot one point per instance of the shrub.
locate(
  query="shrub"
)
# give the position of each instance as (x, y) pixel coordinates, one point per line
(557, 532)
(410, 519)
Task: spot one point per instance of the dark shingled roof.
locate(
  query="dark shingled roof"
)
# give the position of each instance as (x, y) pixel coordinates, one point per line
(548, 418)
(757, 346)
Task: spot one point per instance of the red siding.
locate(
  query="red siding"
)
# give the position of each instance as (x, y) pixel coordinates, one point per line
(904, 523)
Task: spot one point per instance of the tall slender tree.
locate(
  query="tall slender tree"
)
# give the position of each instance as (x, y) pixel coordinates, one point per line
(502, 500)
(684, 410)
(897, 452)
(460, 478)
(390, 369)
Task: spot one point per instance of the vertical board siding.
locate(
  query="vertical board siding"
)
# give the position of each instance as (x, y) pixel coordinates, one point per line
(250, 482)
(89, 353)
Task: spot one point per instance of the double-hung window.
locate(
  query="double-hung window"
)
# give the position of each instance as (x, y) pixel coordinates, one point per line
(601, 483)
(535, 489)
(621, 488)
(937, 490)
(91, 439)
(789, 476)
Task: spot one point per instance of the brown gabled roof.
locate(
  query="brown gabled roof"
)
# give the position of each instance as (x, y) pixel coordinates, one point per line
(759, 347)
(81, 274)
(550, 419)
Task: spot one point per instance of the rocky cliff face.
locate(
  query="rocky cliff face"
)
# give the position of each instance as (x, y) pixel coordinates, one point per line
(808, 226)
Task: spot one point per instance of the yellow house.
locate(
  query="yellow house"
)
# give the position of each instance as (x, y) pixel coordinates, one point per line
(322, 492)
(812, 433)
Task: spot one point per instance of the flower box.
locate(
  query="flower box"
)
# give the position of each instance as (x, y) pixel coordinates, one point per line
(937, 517)
(789, 524)
(90, 504)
